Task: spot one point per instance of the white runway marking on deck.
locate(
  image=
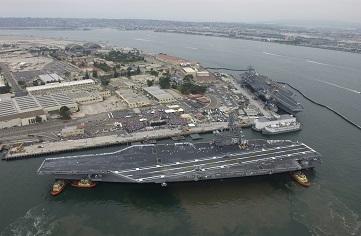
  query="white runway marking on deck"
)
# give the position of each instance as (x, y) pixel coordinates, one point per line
(215, 167)
(206, 159)
(228, 160)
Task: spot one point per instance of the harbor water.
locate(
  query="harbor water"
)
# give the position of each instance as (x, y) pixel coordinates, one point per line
(267, 205)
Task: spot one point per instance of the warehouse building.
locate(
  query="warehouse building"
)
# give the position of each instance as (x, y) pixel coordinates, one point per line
(53, 103)
(26, 110)
(159, 94)
(85, 97)
(72, 131)
(189, 71)
(20, 111)
(60, 87)
(50, 78)
(132, 99)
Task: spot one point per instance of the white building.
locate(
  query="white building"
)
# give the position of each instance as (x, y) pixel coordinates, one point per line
(20, 111)
(132, 99)
(2, 81)
(85, 97)
(50, 78)
(262, 122)
(53, 103)
(60, 87)
(159, 94)
(72, 131)
(189, 71)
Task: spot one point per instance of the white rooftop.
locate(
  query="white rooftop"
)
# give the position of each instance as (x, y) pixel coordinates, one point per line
(158, 93)
(189, 70)
(60, 85)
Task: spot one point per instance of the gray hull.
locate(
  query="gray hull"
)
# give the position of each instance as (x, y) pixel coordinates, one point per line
(162, 163)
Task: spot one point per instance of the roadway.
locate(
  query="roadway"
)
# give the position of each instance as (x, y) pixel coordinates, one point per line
(11, 79)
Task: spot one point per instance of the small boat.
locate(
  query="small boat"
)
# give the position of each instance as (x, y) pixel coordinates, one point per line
(301, 178)
(83, 183)
(58, 187)
(178, 138)
(149, 141)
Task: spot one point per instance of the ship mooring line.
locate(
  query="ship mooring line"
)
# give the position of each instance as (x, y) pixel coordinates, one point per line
(322, 105)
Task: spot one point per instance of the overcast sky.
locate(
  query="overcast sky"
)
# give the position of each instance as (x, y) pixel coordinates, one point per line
(188, 10)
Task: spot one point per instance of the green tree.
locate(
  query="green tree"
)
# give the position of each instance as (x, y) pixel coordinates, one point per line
(95, 73)
(86, 76)
(104, 81)
(22, 83)
(150, 82)
(65, 112)
(38, 119)
(164, 82)
(67, 74)
(188, 78)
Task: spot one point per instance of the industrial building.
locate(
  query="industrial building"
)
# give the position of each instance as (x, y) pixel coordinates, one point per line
(72, 131)
(50, 78)
(20, 111)
(132, 99)
(159, 94)
(59, 87)
(85, 97)
(53, 103)
(26, 110)
(2, 81)
(189, 71)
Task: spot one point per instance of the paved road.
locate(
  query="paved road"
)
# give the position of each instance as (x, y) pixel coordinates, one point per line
(49, 127)
(10, 78)
(265, 112)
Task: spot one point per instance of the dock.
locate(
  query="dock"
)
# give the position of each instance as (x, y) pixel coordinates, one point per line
(36, 150)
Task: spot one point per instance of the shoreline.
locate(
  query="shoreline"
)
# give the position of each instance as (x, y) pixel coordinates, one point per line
(210, 34)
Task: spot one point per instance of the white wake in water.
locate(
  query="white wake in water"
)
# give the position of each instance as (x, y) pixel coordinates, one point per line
(144, 40)
(191, 48)
(273, 54)
(318, 63)
(36, 222)
(339, 86)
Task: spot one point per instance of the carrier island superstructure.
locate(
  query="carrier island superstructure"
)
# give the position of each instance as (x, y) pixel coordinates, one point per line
(228, 155)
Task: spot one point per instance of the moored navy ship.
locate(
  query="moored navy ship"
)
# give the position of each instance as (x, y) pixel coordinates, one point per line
(273, 93)
(227, 156)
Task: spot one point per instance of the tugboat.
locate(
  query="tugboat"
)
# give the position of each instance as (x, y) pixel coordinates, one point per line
(301, 178)
(58, 187)
(83, 183)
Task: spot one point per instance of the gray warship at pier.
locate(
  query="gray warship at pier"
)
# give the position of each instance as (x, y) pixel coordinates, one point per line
(228, 155)
(273, 93)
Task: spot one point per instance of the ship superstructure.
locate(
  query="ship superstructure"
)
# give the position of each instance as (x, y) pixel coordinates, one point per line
(271, 92)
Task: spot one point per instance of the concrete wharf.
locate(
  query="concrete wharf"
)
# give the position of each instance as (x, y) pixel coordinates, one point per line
(110, 140)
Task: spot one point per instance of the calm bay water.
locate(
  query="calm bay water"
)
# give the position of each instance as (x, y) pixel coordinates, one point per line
(249, 206)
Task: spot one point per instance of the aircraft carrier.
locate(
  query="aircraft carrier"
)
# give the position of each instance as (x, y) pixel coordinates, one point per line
(228, 155)
(271, 92)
